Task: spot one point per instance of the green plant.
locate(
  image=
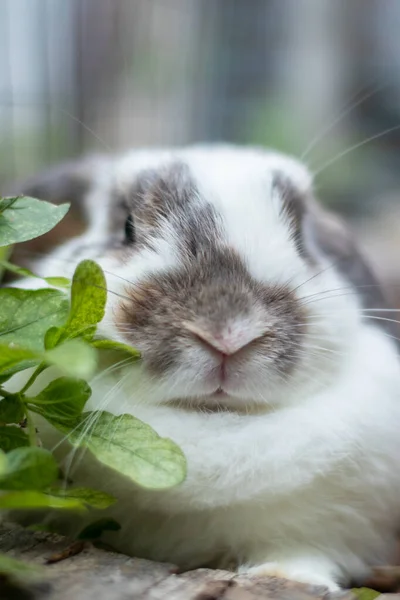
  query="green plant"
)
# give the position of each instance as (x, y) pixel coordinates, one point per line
(56, 327)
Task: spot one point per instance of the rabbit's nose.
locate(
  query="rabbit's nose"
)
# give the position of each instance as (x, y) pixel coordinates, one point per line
(225, 342)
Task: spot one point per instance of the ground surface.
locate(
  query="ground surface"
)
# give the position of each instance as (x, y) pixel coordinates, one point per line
(95, 574)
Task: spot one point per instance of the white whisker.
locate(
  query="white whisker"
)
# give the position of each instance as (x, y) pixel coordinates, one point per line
(355, 147)
(343, 113)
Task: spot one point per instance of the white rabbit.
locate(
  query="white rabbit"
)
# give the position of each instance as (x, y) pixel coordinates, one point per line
(248, 304)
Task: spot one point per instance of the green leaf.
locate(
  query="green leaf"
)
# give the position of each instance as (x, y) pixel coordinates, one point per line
(62, 282)
(365, 593)
(5, 252)
(20, 366)
(52, 337)
(24, 272)
(29, 468)
(74, 357)
(24, 218)
(11, 409)
(18, 570)
(94, 530)
(111, 345)
(132, 448)
(12, 437)
(6, 203)
(11, 356)
(3, 462)
(26, 315)
(33, 499)
(88, 299)
(62, 401)
(93, 498)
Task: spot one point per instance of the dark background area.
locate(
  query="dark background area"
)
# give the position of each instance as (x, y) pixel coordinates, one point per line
(319, 79)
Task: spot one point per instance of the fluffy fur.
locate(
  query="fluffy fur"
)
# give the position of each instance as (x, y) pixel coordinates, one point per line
(291, 471)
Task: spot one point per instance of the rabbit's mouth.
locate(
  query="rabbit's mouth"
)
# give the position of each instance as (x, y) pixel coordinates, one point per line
(220, 392)
(219, 401)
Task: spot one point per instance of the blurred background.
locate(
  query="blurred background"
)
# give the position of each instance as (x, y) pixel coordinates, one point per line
(319, 79)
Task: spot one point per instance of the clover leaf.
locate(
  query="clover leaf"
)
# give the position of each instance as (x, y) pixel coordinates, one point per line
(28, 468)
(133, 448)
(23, 219)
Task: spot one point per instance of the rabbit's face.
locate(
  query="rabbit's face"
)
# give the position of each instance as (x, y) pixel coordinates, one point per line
(215, 276)
(211, 276)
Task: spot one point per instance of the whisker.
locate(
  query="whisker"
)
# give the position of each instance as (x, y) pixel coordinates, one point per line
(330, 350)
(364, 312)
(305, 303)
(51, 105)
(87, 128)
(323, 293)
(77, 454)
(392, 337)
(380, 310)
(381, 319)
(354, 147)
(95, 379)
(339, 117)
(330, 266)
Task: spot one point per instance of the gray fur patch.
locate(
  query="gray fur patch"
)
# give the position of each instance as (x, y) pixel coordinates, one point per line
(294, 209)
(336, 242)
(214, 288)
(169, 194)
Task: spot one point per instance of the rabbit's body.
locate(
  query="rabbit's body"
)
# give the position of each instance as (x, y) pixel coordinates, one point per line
(316, 483)
(257, 361)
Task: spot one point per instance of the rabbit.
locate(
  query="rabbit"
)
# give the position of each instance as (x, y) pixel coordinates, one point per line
(250, 306)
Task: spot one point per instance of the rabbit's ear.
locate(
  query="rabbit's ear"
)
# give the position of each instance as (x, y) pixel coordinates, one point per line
(317, 232)
(66, 182)
(329, 235)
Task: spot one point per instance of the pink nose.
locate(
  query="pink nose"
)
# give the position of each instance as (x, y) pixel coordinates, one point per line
(223, 343)
(213, 344)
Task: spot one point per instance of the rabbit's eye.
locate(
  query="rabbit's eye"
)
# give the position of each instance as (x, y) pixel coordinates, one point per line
(130, 236)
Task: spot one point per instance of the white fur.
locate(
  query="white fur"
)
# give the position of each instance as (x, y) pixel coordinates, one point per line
(306, 482)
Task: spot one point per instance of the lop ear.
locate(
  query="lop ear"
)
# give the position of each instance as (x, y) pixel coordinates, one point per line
(317, 232)
(332, 237)
(66, 182)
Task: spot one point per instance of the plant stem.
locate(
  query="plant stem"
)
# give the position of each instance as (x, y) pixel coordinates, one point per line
(33, 377)
(31, 429)
(31, 426)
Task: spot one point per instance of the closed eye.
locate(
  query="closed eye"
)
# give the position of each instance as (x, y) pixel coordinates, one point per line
(130, 233)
